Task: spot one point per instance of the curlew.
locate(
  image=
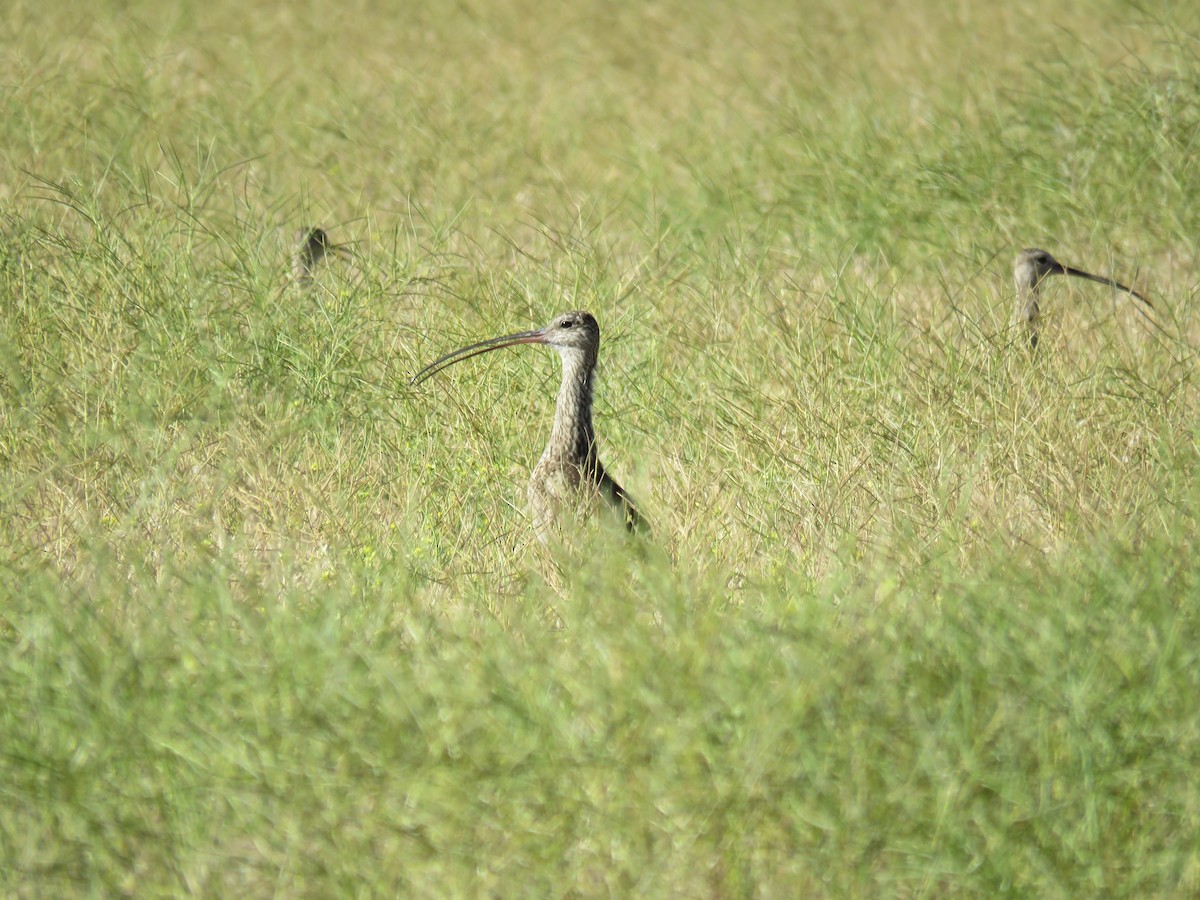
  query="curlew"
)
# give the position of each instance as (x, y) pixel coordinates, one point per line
(314, 246)
(569, 476)
(1031, 267)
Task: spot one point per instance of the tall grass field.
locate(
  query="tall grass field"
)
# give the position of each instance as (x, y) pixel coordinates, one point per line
(917, 613)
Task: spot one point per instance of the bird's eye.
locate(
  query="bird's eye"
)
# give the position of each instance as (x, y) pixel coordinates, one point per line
(568, 323)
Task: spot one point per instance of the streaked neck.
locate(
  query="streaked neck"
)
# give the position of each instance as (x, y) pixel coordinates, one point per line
(573, 437)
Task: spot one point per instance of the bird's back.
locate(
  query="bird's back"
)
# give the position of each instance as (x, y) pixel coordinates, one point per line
(563, 494)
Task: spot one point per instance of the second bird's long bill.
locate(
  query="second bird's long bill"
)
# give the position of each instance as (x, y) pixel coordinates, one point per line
(497, 343)
(1100, 279)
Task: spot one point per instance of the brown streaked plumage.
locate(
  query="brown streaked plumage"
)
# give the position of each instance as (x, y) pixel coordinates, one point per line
(569, 474)
(1032, 267)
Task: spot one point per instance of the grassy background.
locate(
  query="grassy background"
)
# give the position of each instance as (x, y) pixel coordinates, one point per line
(918, 618)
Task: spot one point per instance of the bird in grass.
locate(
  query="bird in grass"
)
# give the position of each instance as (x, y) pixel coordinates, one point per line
(1034, 265)
(313, 245)
(569, 476)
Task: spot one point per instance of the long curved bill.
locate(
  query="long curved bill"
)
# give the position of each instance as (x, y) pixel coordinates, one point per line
(1079, 273)
(497, 343)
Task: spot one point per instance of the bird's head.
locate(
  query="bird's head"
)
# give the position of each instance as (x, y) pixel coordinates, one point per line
(576, 330)
(1032, 266)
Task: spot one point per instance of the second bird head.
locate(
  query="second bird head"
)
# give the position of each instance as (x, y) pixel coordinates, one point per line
(576, 330)
(1032, 266)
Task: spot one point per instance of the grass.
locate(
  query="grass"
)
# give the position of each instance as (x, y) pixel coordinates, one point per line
(918, 614)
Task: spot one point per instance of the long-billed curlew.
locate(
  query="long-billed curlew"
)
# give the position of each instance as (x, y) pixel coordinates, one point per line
(1031, 267)
(569, 474)
(314, 246)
